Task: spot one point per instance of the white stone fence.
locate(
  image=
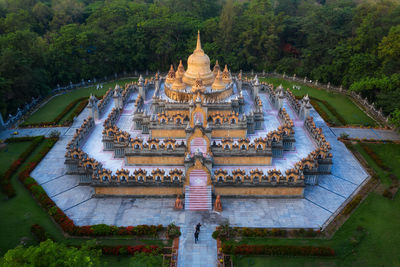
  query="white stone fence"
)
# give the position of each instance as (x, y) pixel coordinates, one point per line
(370, 108)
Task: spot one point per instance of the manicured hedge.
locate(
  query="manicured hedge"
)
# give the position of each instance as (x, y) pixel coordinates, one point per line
(41, 235)
(332, 110)
(6, 185)
(224, 233)
(76, 111)
(374, 157)
(277, 250)
(352, 205)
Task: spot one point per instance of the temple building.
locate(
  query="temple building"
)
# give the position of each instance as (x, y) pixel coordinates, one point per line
(198, 133)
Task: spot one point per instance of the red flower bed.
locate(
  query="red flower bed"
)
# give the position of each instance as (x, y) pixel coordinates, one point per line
(130, 250)
(272, 250)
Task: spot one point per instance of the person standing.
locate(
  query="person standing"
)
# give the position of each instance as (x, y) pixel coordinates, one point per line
(196, 237)
(198, 227)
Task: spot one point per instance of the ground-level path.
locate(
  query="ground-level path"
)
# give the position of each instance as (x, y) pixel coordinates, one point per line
(204, 253)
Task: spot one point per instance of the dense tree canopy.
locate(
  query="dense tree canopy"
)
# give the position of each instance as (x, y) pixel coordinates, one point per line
(49, 253)
(348, 42)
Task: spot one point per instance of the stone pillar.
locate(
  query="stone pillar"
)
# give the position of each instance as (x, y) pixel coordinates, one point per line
(305, 108)
(281, 97)
(256, 87)
(141, 87)
(93, 107)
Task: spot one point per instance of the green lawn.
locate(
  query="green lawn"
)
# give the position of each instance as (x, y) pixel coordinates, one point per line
(390, 155)
(11, 152)
(377, 244)
(341, 103)
(19, 213)
(57, 104)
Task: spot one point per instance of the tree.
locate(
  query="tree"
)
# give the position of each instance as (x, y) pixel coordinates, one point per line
(389, 51)
(395, 117)
(49, 253)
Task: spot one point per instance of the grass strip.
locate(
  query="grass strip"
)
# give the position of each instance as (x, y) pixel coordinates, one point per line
(5, 179)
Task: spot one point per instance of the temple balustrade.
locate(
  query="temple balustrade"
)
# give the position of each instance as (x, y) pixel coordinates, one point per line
(138, 177)
(91, 171)
(105, 100)
(255, 177)
(294, 103)
(112, 118)
(81, 133)
(187, 96)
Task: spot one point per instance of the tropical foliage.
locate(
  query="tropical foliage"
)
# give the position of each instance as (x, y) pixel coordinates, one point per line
(48, 42)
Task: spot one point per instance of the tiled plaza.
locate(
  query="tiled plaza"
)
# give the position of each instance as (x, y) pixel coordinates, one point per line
(313, 211)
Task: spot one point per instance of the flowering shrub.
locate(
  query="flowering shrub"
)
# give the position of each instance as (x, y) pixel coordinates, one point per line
(279, 250)
(226, 232)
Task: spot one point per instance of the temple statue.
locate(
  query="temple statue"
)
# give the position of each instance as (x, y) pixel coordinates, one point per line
(218, 205)
(178, 203)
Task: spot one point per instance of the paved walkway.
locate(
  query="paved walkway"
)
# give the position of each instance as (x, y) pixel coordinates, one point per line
(22, 132)
(367, 133)
(204, 253)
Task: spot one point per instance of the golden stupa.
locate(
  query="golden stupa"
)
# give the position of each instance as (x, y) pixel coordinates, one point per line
(181, 68)
(178, 84)
(171, 75)
(216, 68)
(198, 64)
(218, 84)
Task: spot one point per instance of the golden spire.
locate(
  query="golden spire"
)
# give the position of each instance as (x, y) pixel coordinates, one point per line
(226, 76)
(198, 46)
(216, 68)
(171, 75)
(181, 68)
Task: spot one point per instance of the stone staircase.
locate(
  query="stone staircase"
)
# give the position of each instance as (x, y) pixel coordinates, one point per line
(198, 197)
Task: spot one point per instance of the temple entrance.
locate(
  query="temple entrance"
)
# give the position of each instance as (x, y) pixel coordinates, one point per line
(198, 144)
(198, 177)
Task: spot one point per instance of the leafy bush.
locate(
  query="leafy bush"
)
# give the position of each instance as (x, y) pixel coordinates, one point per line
(173, 231)
(54, 134)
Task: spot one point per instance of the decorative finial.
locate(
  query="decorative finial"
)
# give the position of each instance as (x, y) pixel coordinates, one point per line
(198, 46)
